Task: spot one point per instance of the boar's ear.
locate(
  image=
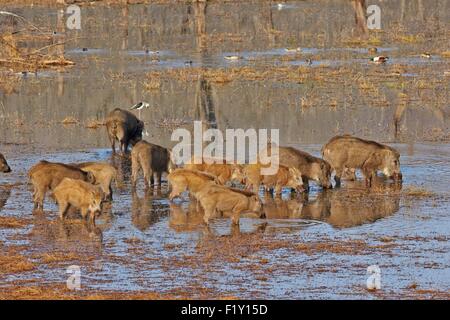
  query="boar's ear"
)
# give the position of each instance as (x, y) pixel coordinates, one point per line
(90, 177)
(324, 165)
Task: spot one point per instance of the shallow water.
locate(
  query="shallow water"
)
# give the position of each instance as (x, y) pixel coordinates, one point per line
(144, 242)
(315, 247)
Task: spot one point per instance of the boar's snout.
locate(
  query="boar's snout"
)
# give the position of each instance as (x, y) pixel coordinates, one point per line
(263, 214)
(327, 185)
(397, 176)
(6, 169)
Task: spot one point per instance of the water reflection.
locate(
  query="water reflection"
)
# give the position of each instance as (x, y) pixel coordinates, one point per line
(186, 219)
(341, 208)
(5, 193)
(147, 210)
(65, 234)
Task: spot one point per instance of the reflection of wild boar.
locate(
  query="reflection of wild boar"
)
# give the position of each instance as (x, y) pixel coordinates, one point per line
(347, 152)
(5, 192)
(103, 173)
(311, 168)
(78, 194)
(282, 209)
(123, 126)
(285, 177)
(144, 211)
(4, 165)
(182, 221)
(224, 172)
(181, 180)
(47, 175)
(152, 159)
(216, 199)
(344, 208)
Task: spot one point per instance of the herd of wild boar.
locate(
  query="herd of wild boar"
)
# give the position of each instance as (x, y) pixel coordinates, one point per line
(86, 186)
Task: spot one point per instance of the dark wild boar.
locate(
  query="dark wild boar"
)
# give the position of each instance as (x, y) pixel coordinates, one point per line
(78, 194)
(4, 167)
(154, 160)
(46, 176)
(346, 153)
(125, 127)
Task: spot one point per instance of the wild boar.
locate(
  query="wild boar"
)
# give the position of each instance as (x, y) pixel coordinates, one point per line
(46, 176)
(103, 173)
(152, 159)
(181, 180)
(125, 127)
(347, 153)
(4, 167)
(285, 177)
(311, 168)
(223, 171)
(79, 194)
(216, 199)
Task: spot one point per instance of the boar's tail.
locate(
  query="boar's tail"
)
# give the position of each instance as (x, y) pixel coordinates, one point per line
(33, 169)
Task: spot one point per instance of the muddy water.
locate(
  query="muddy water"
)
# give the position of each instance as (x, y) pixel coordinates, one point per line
(315, 247)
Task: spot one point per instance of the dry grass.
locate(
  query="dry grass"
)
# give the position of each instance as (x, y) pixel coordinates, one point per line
(153, 84)
(61, 292)
(94, 123)
(11, 261)
(417, 192)
(57, 257)
(69, 120)
(10, 222)
(13, 57)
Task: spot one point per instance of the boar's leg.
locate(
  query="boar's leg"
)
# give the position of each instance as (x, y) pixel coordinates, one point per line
(369, 176)
(135, 168)
(112, 139)
(110, 194)
(209, 212)
(148, 177)
(305, 183)
(158, 178)
(124, 145)
(350, 174)
(63, 206)
(235, 218)
(91, 218)
(337, 176)
(38, 197)
(277, 190)
(84, 212)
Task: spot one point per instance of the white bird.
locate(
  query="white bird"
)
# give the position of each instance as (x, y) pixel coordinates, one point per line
(139, 106)
(293, 49)
(280, 6)
(232, 57)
